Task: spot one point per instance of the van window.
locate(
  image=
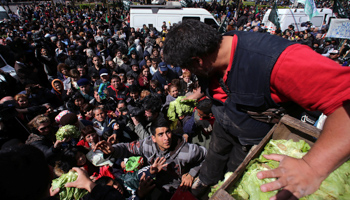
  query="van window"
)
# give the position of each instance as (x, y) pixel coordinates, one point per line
(194, 18)
(210, 22)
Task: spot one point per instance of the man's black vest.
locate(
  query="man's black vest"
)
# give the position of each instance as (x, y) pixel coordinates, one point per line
(248, 84)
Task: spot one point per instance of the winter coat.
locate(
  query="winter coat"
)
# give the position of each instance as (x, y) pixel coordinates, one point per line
(182, 158)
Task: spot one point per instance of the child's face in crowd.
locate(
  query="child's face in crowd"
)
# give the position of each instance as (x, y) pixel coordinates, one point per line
(100, 115)
(187, 79)
(174, 92)
(90, 138)
(22, 102)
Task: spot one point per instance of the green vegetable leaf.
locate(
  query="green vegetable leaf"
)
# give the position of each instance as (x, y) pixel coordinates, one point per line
(68, 193)
(335, 186)
(67, 131)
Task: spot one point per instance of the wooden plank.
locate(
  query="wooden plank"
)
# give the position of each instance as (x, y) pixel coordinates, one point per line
(221, 194)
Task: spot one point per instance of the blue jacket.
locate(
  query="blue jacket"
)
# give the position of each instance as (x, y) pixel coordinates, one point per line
(164, 80)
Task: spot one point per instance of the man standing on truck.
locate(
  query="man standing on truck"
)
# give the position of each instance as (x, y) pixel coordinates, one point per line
(251, 73)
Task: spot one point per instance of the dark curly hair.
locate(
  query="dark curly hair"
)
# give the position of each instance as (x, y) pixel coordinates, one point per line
(205, 106)
(189, 39)
(152, 102)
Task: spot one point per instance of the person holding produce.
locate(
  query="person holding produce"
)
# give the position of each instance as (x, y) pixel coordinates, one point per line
(110, 191)
(183, 159)
(252, 76)
(75, 156)
(43, 137)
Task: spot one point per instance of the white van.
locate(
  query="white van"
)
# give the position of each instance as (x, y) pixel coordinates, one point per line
(172, 12)
(7, 68)
(3, 14)
(297, 16)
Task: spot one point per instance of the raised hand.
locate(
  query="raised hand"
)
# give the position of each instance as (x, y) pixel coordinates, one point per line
(158, 165)
(112, 139)
(146, 185)
(105, 147)
(83, 181)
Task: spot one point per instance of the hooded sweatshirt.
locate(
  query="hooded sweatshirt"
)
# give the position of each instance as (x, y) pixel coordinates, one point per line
(144, 62)
(139, 50)
(58, 101)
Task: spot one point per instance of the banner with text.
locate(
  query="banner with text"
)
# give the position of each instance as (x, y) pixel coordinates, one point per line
(339, 28)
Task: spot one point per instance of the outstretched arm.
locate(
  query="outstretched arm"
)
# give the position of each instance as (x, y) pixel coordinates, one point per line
(304, 176)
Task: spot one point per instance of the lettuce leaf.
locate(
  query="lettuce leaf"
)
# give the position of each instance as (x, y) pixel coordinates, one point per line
(68, 193)
(217, 186)
(67, 131)
(335, 186)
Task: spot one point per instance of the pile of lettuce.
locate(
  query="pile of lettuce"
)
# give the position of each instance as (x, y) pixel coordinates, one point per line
(181, 107)
(217, 186)
(67, 131)
(335, 186)
(68, 193)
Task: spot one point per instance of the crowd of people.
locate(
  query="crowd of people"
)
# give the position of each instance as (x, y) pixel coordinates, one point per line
(123, 96)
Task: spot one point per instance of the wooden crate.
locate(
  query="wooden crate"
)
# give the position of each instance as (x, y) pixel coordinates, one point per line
(287, 128)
